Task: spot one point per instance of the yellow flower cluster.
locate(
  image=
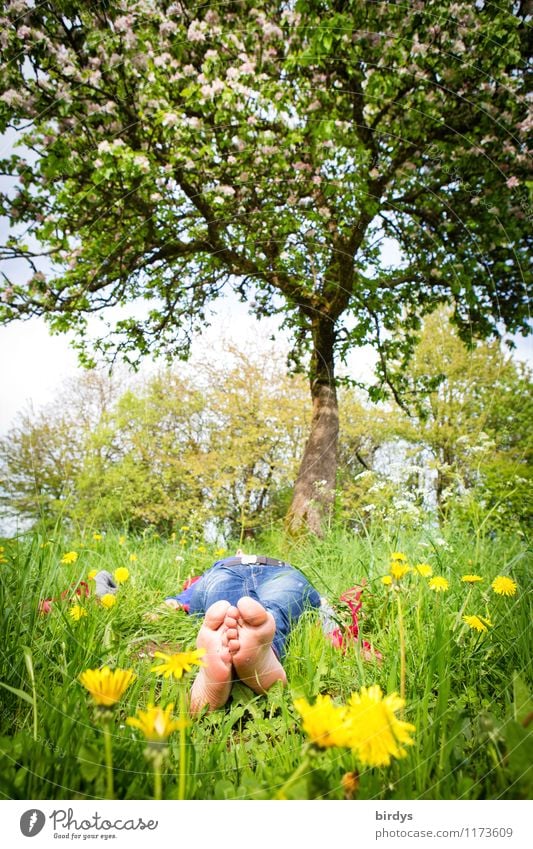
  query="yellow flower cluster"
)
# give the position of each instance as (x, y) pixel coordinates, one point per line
(69, 557)
(477, 623)
(156, 723)
(106, 685)
(176, 664)
(76, 612)
(367, 724)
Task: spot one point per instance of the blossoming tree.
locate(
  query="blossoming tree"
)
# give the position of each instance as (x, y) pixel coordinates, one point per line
(182, 149)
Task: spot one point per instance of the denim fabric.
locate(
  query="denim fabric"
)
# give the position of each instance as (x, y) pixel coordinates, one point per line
(282, 590)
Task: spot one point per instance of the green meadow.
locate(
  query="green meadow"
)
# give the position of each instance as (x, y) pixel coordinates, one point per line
(466, 682)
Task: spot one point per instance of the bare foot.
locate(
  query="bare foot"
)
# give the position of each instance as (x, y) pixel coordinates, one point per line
(251, 650)
(212, 685)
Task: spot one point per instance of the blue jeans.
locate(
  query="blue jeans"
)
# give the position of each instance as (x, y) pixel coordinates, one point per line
(282, 590)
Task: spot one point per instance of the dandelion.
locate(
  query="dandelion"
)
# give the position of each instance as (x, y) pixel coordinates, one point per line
(387, 580)
(477, 623)
(324, 722)
(69, 557)
(220, 552)
(201, 549)
(121, 574)
(504, 586)
(157, 723)
(107, 686)
(108, 600)
(376, 734)
(173, 536)
(133, 558)
(424, 569)
(398, 570)
(97, 537)
(76, 612)
(399, 557)
(176, 664)
(439, 584)
(92, 574)
(183, 541)
(184, 529)
(122, 540)
(471, 579)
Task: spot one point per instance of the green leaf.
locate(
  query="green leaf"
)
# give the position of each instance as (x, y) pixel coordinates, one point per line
(20, 693)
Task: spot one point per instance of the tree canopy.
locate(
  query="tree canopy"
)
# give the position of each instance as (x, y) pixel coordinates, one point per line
(282, 150)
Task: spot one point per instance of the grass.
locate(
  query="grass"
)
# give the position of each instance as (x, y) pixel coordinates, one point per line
(466, 692)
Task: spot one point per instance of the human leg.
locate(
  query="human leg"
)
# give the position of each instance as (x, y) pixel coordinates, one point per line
(250, 630)
(212, 685)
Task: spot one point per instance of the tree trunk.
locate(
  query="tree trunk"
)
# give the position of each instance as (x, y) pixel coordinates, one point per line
(314, 490)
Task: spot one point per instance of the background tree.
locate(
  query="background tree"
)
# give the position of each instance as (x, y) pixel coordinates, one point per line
(178, 149)
(471, 408)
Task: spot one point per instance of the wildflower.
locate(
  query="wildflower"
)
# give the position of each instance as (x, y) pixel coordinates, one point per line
(477, 623)
(108, 600)
(398, 570)
(133, 558)
(220, 552)
(121, 574)
(76, 612)
(387, 580)
(424, 569)
(176, 664)
(184, 528)
(376, 734)
(201, 549)
(106, 685)
(439, 584)
(121, 540)
(97, 537)
(399, 557)
(183, 541)
(156, 723)
(92, 574)
(69, 557)
(324, 722)
(503, 586)
(173, 536)
(471, 579)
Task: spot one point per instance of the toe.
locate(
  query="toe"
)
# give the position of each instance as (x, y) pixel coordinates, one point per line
(252, 612)
(215, 615)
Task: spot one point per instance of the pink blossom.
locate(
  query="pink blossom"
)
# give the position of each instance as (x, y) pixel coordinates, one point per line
(196, 31)
(512, 182)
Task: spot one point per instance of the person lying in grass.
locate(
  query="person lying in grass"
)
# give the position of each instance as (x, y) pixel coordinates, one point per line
(249, 603)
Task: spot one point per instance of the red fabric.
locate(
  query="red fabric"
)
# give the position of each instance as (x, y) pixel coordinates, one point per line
(341, 638)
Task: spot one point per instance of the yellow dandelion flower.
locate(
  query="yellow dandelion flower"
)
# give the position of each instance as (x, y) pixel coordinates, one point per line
(156, 723)
(376, 734)
(471, 579)
(133, 558)
(121, 574)
(122, 540)
(439, 584)
(97, 537)
(424, 569)
(477, 623)
(183, 541)
(105, 685)
(201, 549)
(399, 557)
(220, 552)
(176, 664)
(76, 612)
(324, 722)
(69, 557)
(108, 600)
(504, 586)
(184, 528)
(173, 536)
(387, 580)
(398, 570)
(92, 574)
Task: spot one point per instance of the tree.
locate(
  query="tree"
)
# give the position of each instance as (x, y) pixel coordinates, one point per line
(471, 407)
(178, 149)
